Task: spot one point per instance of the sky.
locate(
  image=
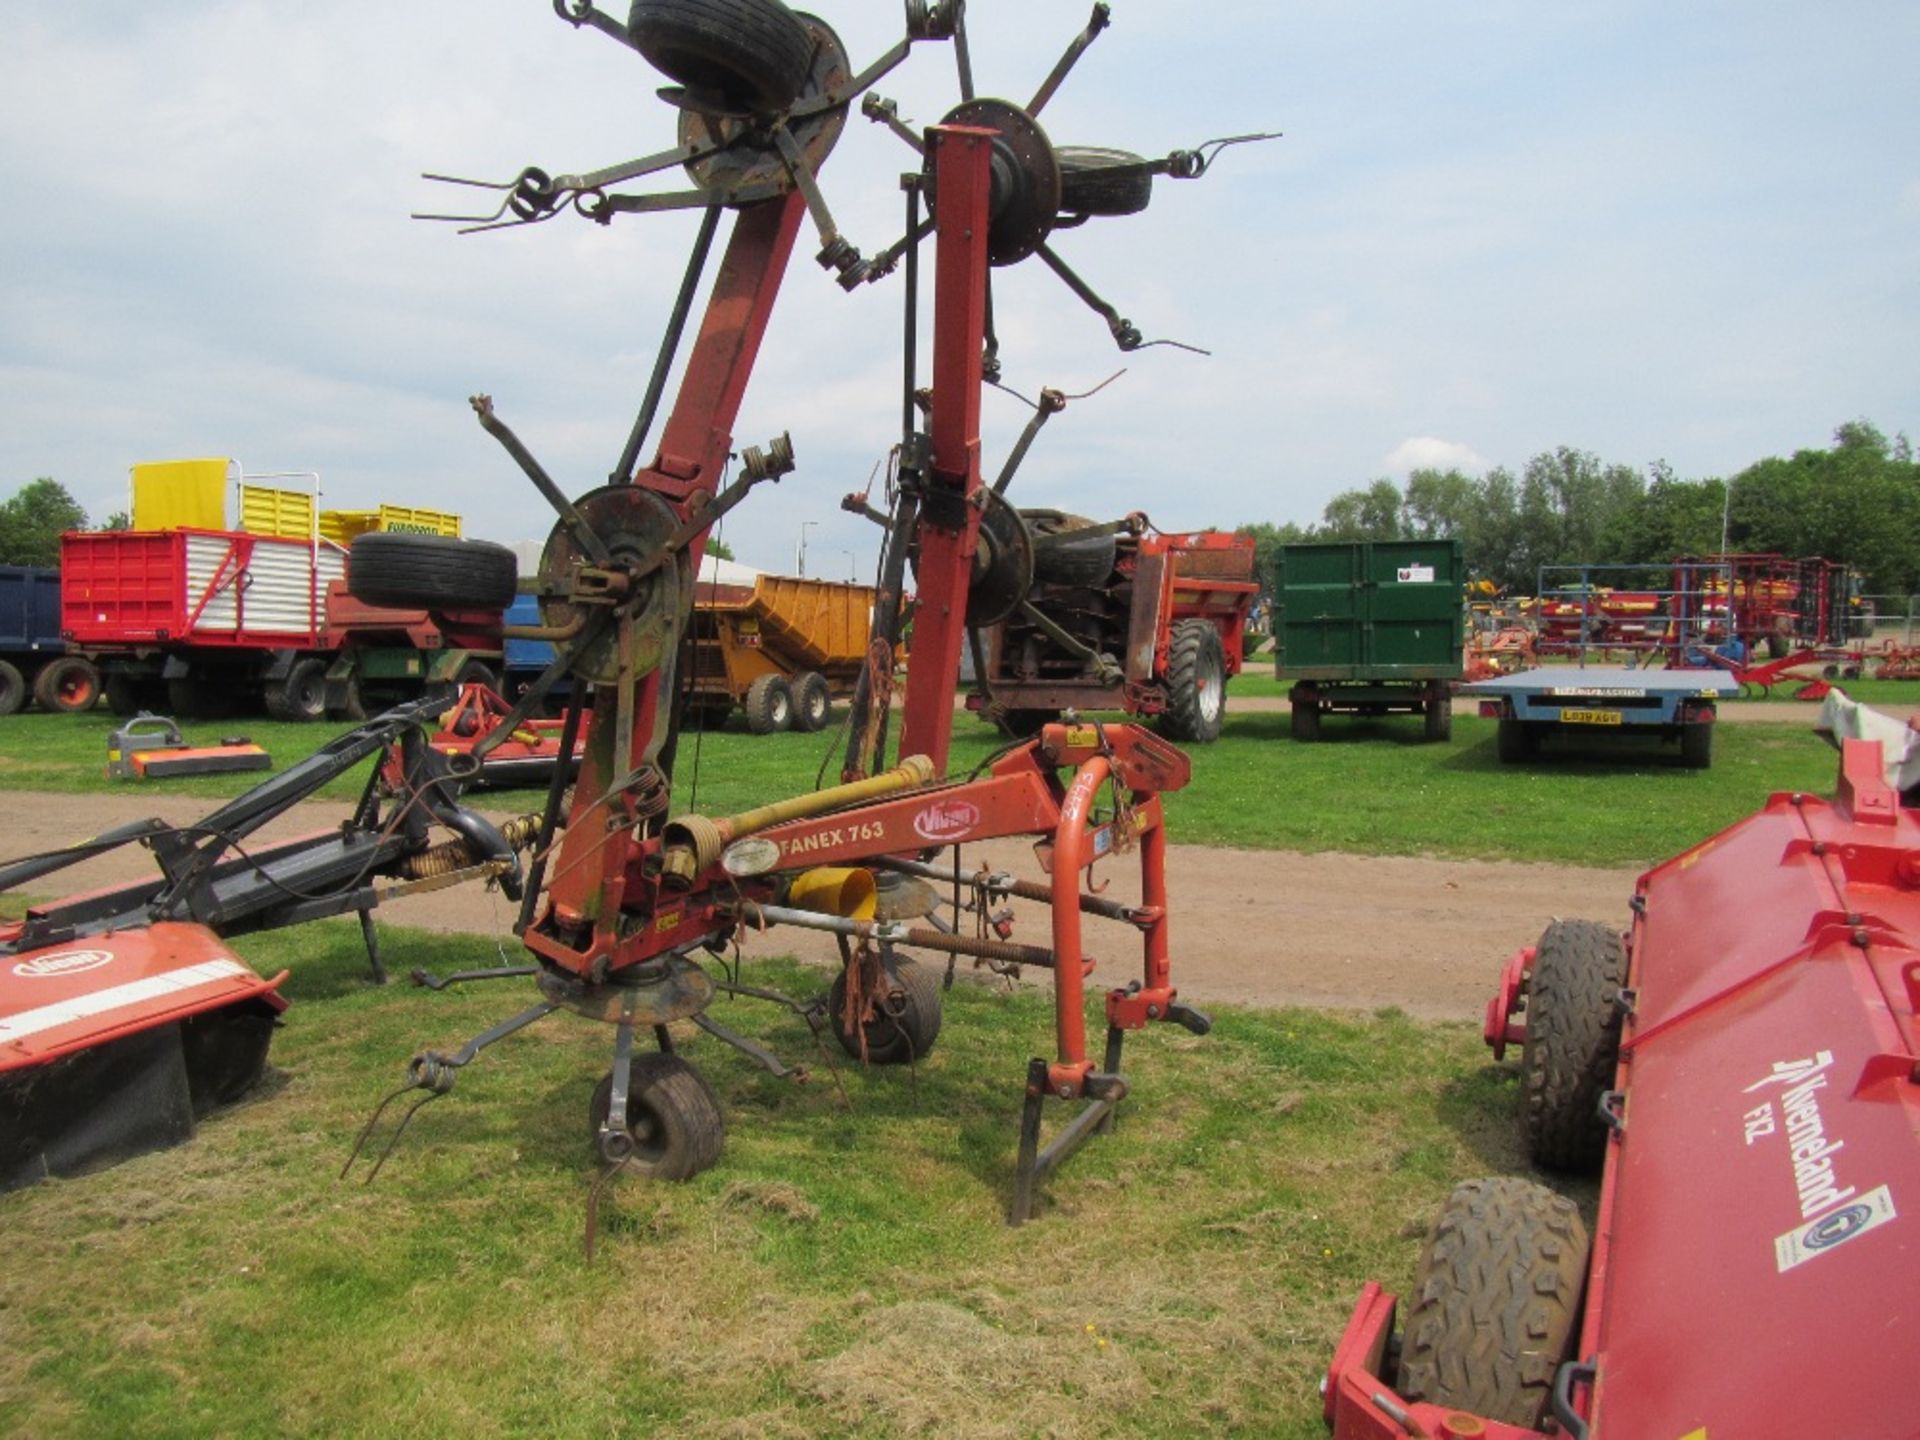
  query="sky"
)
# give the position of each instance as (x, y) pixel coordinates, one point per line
(1687, 233)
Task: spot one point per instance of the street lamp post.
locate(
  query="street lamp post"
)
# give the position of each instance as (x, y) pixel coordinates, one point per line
(800, 555)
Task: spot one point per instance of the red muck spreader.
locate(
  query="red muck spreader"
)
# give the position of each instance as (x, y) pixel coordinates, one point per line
(1742, 1071)
(617, 916)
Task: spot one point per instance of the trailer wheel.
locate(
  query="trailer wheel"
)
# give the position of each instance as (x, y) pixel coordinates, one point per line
(476, 672)
(893, 1037)
(13, 688)
(1440, 717)
(673, 1118)
(812, 702)
(1696, 745)
(769, 705)
(1516, 741)
(1495, 1301)
(1304, 702)
(1196, 683)
(302, 696)
(752, 53)
(1089, 184)
(430, 572)
(345, 703)
(68, 685)
(1573, 1043)
(199, 699)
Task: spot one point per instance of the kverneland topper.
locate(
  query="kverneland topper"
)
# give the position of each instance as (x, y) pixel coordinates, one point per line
(1742, 1071)
(633, 894)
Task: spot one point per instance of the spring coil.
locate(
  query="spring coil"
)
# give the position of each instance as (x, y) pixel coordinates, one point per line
(454, 855)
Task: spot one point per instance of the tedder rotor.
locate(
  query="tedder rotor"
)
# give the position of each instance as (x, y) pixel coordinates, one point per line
(629, 891)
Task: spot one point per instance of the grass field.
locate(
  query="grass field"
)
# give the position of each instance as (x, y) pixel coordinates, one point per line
(1370, 787)
(840, 1272)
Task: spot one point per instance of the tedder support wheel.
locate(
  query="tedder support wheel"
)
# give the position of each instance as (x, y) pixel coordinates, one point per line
(1516, 742)
(1196, 683)
(1090, 184)
(1696, 745)
(1495, 1301)
(430, 572)
(894, 1037)
(1573, 1042)
(751, 53)
(812, 702)
(68, 685)
(13, 688)
(1305, 719)
(302, 695)
(769, 705)
(1440, 717)
(673, 1118)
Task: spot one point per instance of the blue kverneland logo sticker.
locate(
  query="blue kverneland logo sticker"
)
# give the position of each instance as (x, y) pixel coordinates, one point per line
(1834, 1229)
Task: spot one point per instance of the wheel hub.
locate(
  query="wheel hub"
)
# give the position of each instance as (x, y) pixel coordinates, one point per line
(636, 526)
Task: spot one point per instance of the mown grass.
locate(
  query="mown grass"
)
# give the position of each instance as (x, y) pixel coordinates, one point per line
(842, 1271)
(1369, 786)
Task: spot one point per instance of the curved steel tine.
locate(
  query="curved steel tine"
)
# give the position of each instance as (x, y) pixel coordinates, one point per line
(372, 1120)
(400, 1130)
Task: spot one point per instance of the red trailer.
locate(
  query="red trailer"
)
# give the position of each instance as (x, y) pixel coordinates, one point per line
(1744, 1069)
(193, 621)
(1117, 617)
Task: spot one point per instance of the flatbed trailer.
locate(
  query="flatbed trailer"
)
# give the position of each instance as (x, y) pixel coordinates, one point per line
(1574, 701)
(1745, 1071)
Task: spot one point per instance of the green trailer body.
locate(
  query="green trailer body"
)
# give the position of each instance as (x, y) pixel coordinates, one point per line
(1370, 627)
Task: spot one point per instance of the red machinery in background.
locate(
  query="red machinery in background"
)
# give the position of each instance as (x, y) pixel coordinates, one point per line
(629, 893)
(1745, 1074)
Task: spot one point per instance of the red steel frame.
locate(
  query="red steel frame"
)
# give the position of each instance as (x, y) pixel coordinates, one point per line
(605, 876)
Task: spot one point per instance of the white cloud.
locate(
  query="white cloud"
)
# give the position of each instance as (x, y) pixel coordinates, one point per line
(1427, 452)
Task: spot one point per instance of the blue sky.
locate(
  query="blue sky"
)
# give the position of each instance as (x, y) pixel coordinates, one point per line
(1651, 231)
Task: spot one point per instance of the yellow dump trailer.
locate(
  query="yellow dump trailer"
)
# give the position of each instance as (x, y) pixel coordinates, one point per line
(783, 648)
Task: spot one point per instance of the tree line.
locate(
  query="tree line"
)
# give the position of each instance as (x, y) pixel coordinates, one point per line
(1857, 503)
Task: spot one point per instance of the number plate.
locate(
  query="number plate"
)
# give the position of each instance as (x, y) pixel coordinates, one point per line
(1591, 717)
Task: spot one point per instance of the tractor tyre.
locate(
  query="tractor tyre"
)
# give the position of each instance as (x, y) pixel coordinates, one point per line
(1025, 724)
(1573, 1043)
(430, 572)
(1516, 741)
(1696, 745)
(69, 685)
(13, 688)
(1305, 719)
(1196, 683)
(1090, 183)
(673, 1118)
(1495, 1301)
(753, 54)
(769, 705)
(1439, 727)
(302, 696)
(1064, 556)
(892, 1038)
(812, 702)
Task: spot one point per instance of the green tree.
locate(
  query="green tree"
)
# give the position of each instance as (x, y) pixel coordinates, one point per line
(714, 547)
(31, 522)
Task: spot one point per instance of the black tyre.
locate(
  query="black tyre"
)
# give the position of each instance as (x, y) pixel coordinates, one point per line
(477, 672)
(901, 1031)
(1070, 549)
(1305, 719)
(753, 54)
(1022, 724)
(1196, 683)
(812, 702)
(673, 1118)
(69, 685)
(13, 689)
(301, 696)
(431, 572)
(1495, 1301)
(1696, 745)
(1439, 725)
(1573, 1043)
(1515, 742)
(769, 705)
(126, 696)
(345, 703)
(202, 698)
(1092, 184)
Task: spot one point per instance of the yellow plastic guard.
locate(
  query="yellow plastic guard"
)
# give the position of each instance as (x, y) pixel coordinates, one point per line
(168, 494)
(266, 511)
(833, 890)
